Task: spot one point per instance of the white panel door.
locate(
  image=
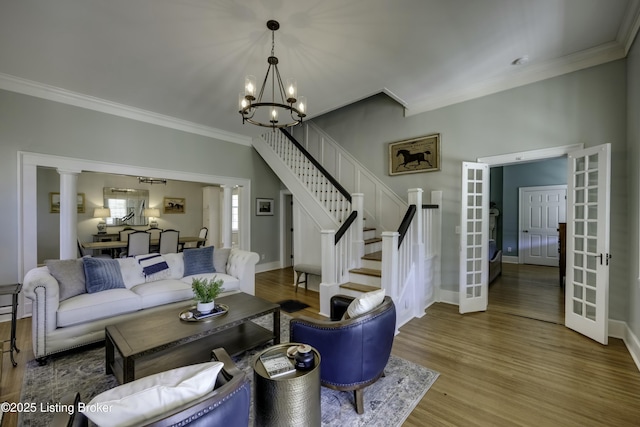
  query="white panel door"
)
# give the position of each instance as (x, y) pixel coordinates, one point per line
(474, 237)
(541, 209)
(587, 280)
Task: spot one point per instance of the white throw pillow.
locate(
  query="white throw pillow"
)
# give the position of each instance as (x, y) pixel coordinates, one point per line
(132, 403)
(364, 303)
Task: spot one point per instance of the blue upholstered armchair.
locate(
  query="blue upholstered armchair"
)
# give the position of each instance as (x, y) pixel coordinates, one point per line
(354, 351)
(227, 404)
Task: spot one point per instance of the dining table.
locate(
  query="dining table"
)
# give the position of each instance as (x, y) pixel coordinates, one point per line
(120, 244)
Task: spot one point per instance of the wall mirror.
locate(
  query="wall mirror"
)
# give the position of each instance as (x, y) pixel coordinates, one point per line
(126, 205)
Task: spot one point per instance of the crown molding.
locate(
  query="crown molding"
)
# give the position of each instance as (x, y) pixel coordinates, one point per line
(530, 74)
(630, 25)
(52, 93)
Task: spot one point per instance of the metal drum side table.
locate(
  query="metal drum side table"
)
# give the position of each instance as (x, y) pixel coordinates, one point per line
(289, 400)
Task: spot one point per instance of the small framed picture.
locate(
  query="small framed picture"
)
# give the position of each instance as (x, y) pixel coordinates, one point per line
(54, 202)
(264, 206)
(173, 205)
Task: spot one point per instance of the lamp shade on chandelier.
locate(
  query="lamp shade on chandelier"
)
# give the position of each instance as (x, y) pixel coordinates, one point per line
(275, 105)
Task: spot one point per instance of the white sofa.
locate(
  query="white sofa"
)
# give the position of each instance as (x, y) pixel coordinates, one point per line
(81, 319)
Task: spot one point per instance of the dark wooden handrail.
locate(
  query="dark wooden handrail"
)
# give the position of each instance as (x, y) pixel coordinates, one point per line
(406, 222)
(317, 164)
(345, 226)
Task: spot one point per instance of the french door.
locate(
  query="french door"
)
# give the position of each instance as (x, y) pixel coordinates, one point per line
(587, 280)
(588, 255)
(474, 237)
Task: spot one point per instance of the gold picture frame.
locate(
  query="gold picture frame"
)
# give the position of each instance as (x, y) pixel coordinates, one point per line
(54, 202)
(415, 155)
(174, 205)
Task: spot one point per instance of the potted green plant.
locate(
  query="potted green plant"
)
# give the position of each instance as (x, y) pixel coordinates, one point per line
(205, 291)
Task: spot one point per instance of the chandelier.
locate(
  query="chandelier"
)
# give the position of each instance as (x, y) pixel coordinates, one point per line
(284, 102)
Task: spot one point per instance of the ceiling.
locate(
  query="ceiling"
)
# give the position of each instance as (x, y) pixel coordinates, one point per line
(181, 63)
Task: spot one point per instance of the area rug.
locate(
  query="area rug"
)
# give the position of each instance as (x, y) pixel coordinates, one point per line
(388, 402)
(292, 305)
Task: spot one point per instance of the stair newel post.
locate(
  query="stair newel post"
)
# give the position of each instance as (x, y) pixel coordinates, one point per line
(328, 280)
(390, 263)
(328, 256)
(357, 241)
(418, 251)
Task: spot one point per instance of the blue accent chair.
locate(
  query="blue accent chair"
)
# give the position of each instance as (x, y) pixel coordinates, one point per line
(355, 351)
(226, 405)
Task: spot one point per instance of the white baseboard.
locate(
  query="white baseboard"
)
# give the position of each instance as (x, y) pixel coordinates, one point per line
(620, 329)
(268, 266)
(510, 259)
(449, 297)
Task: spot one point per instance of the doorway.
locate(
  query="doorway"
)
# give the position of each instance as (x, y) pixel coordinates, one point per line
(524, 290)
(541, 210)
(286, 228)
(529, 285)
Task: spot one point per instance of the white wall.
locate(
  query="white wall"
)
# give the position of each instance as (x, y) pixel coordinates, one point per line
(34, 125)
(587, 106)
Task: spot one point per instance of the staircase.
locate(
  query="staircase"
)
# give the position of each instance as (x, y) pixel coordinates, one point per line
(352, 254)
(368, 276)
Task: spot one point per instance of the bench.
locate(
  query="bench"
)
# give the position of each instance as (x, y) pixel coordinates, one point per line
(306, 269)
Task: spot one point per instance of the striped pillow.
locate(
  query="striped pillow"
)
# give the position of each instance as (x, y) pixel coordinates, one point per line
(154, 267)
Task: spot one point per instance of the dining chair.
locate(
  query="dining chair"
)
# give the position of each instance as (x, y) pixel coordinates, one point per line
(155, 238)
(139, 243)
(203, 235)
(169, 241)
(124, 234)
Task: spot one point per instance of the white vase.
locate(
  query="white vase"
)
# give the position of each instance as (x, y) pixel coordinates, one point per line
(205, 307)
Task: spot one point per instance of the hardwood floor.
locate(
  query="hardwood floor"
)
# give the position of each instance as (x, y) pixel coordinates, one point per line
(496, 368)
(529, 291)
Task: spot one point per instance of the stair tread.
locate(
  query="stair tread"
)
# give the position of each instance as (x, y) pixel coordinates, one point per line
(368, 229)
(373, 256)
(374, 240)
(367, 272)
(358, 287)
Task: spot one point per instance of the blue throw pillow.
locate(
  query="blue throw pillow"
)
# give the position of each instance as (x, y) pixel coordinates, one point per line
(102, 274)
(198, 261)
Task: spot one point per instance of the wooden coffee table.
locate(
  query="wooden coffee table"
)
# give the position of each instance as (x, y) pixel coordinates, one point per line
(161, 341)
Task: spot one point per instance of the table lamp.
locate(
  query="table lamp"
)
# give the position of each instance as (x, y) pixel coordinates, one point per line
(102, 213)
(152, 213)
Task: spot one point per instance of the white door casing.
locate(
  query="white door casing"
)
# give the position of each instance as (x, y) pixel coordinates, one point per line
(541, 209)
(474, 237)
(588, 256)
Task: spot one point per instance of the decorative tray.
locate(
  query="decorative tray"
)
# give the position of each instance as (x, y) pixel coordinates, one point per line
(193, 315)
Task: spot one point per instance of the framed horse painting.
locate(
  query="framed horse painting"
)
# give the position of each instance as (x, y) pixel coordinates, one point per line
(420, 154)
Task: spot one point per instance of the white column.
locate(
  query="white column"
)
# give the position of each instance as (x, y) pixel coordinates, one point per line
(68, 213)
(226, 216)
